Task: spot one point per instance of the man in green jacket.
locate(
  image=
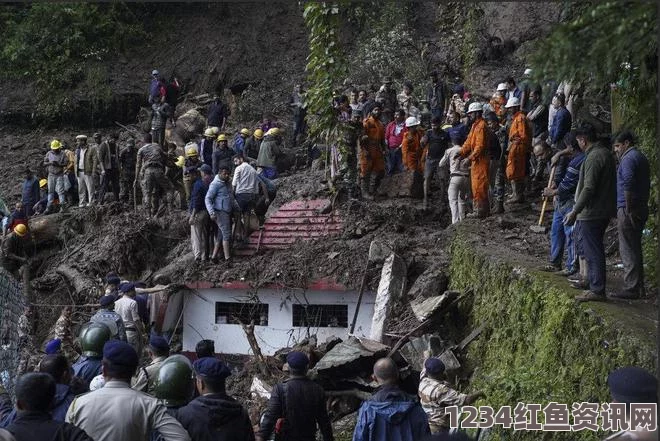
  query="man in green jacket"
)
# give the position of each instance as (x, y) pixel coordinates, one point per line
(595, 204)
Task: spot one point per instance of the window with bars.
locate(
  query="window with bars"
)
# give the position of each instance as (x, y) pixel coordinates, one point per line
(233, 313)
(320, 316)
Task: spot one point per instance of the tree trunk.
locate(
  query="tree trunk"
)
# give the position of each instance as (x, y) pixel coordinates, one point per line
(252, 340)
(85, 287)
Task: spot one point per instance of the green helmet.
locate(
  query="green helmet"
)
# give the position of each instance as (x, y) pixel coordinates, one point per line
(174, 383)
(92, 338)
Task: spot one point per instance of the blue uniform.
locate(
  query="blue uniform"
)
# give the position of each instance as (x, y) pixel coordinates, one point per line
(87, 368)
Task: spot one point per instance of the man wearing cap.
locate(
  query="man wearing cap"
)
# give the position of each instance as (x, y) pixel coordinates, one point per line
(151, 158)
(53, 346)
(118, 413)
(127, 161)
(629, 385)
(84, 169)
(145, 379)
(214, 415)
(298, 400)
(390, 414)
(29, 191)
(222, 154)
(269, 151)
(475, 149)
(15, 249)
(252, 145)
(435, 395)
(498, 101)
(156, 88)
(127, 308)
(55, 161)
(110, 318)
(519, 146)
(411, 149)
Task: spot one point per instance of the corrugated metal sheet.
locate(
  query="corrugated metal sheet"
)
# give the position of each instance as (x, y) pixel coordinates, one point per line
(297, 220)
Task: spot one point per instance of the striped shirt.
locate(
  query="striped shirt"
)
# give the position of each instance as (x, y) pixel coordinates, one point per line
(567, 186)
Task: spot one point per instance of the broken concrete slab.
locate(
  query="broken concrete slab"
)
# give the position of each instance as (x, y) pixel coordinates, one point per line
(426, 308)
(379, 251)
(413, 351)
(391, 287)
(432, 282)
(350, 358)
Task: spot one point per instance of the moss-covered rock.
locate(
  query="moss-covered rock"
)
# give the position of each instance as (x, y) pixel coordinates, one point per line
(539, 345)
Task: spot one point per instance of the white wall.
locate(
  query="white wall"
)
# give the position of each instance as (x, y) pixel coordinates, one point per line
(199, 318)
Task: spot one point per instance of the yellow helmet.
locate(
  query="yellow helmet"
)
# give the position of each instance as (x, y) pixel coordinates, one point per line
(222, 137)
(55, 144)
(258, 133)
(245, 132)
(275, 131)
(191, 152)
(209, 132)
(20, 230)
(43, 183)
(215, 130)
(180, 161)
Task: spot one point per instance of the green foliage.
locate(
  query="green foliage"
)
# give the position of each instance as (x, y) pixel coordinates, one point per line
(325, 67)
(472, 33)
(56, 45)
(538, 346)
(614, 43)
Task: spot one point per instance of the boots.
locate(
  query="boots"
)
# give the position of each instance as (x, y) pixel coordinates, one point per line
(375, 183)
(498, 208)
(518, 195)
(364, 185)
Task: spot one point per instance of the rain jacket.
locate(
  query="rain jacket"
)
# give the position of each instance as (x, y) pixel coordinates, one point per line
(391, 415)
(216, 417)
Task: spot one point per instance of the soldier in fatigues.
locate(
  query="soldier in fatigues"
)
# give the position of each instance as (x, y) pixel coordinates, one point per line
(352, 131)
(436, 394)
(151, 159)
(127, 161)
(27, 353)
(145, 378)
(63, 333)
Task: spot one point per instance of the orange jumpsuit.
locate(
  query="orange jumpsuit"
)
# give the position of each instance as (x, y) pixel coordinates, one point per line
(497, 103)
(411, 150)
(475, 149)
(371, 153)
(520, 142)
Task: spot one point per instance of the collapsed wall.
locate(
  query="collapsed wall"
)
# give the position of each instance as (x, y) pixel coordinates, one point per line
(538, 344)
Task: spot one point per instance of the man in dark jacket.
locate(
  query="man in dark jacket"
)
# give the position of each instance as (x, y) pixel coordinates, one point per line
(390, 413)
(217, 114)
(30, 191)
(561, 121)
(214, 415)
(109, 163)
(595, 204)
(35, 396)
(300, 401)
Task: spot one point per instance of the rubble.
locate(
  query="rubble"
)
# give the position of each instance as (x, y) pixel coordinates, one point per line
(424, 309)
(391, 287)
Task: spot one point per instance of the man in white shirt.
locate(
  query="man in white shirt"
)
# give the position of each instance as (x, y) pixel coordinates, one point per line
(459, 179)
(246, 189)
(127, 308)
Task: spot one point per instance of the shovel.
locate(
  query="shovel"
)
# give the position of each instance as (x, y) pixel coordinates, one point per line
(540, 228)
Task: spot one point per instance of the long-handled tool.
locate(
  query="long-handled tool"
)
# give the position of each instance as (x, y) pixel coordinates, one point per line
(540, 228)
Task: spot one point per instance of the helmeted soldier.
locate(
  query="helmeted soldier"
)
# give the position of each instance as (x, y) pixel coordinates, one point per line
(173, 385)
(145, 377)
(110, 318)
(92, 339)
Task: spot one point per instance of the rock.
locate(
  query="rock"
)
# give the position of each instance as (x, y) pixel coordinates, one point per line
(431, 282)
(426, 308)
(188, 126)
(405, 184)
(391, 287)
(378, 251)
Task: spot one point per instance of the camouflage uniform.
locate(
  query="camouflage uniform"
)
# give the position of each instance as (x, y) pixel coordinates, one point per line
(152, 160)
(434, 396)
(63, 332)
(27, 353)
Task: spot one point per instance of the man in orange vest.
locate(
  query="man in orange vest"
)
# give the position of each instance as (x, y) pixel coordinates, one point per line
(372, 162)
(475, 148)
(520, 142)
(411, 148)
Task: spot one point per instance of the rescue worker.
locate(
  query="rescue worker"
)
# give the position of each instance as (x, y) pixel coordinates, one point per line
(268, 152)
(390, 414)
(245, 184)
(127, 161)
(436, 142)
(173, 182)
(159, 117)
(455, 125)
(519, 145)
(145, 378)
(191, 164)
(29, 191)
(436, 95)
(459, 179)
(127, 308)
(92, 339)
(71, 180)
(15, 250)
(265, 198)
(64, 334)
(387, 99)
(214, 414)
(222, 155)
(110, 318)
(498, 135)
(174, 385)
(109, 164)
(239, 141)
(199, 217)
(299, 108)
(35, 396)
(372, 163)
(219, 204)
(300, 401)
(206, 147)
(40, 206)
(352, 132)
(498, 102)
(127, 414)
(151, 159)
(435, 395)
(411, 147)
(55, 161)
(252, 145)
(475, 148)
(84, 168)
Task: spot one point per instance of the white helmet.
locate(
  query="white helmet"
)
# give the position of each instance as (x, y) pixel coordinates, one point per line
(513, 102)
(501, 87)
(528, 71)
(97, 383)
(475, 107)
(411, 121)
